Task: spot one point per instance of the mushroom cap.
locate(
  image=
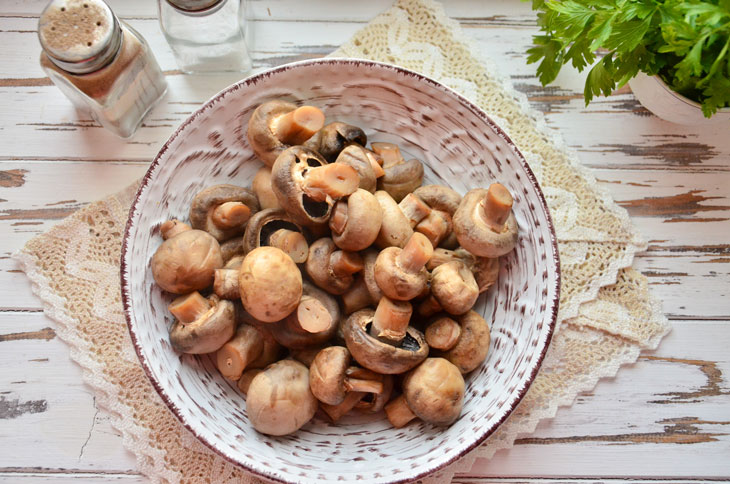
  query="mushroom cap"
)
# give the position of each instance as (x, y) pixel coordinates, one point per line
(395, 229)
(279, 400)
(485, 270)
(400, 179)
(355, 156)
(271, 284)
(473, 345)
(261, 137)
(319, 270)
(327, 374)
(454, 287)
(261, 186)
(208, 199)
(286, 181)
(439, 197)
(378, 356)
(364, 217)
(369, 257)
(186, 262)
(264, 223)
(288, 331)
(435, 391)
(333, 138)
(395, 282)
(475, 235)
(207, 333)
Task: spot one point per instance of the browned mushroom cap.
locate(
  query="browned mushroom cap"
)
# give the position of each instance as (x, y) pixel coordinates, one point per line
(484, 222)
(171, 228)
(364, 291)
(442, 333)
(279, 400)
(330, 381)
(331, 269)
(333, 138)
(355, 222)
(261, 186)
(395, 230)
(223, 210)
(377, 355)
(434, 391)
(271, 284)
(357, 157)
(276, 125)
(485, 269)
(473, 345)
(307, 354)
(232, 248)
(307, 187)
(238, 353)
(401, 273)
(454, 287)
(313, 322)
(226, 284)
(401, 177)
(203, 325)
(273, 227)
(186, 262)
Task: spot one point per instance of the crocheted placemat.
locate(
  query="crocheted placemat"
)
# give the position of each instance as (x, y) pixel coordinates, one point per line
(607, 315)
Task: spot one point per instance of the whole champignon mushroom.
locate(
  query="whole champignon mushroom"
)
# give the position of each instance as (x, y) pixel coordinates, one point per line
(433, 392)
(401, 177)
(279, 401)
(261, 186)
(331, 269)
(454, 287)
(473, 344)
(307, 187)
(364, 291)
(355, 221)
(401, 273)
(313, 322)
(442, 333)
(186, 262)
(333, 138)
(223, 210)
(444, 201)
(485, 269)
(203, 325)
(171, 228)
(365, 164)
(276, 125)
(395, 229)
(484, 223)
(273, 227)
(270, 283)
(380, 356)
(330, 381)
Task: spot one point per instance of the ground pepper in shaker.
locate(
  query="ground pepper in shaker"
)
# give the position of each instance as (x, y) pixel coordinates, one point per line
(206, 36)
(100, 63)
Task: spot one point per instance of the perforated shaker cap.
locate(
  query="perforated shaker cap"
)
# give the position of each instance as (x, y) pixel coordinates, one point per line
(79, 36)
(199, 7)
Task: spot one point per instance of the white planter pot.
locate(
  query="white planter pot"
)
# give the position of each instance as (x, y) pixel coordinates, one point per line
(658, 98)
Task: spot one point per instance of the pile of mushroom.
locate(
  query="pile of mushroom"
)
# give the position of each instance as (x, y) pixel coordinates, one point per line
(336, 271)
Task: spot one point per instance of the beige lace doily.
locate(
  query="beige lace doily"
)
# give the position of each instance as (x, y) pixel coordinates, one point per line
(607, 315)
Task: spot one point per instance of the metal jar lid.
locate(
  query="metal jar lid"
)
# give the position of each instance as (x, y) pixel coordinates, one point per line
(197, 7)
(79, 36)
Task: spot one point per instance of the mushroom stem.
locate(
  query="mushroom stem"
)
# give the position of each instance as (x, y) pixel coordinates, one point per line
(496, 206)
(376, 163)
(443, 334)
(225, 284)
(261, 186)
(338, 219)
(344, 263)
(238, 353)
(292, 243)
(366, 386)
(429, 307)
(313, 316)
(357, 296)
(190, 307)
(391, 320)
(414, 209)
(230, 214)
(335, 412)
(246, 377)
(171, 228)
(296, 127)
(416, 253)
(398, 412)
(335, 180)
(389, 152)
(435, 227)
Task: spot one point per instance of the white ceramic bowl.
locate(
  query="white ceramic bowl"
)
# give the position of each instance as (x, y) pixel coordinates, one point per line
(461, 147)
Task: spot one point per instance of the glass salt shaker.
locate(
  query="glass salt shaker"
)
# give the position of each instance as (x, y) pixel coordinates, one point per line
(206, 36)
(100, 63)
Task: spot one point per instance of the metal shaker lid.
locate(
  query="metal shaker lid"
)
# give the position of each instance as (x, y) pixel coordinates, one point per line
(199, 7)
(79, 36)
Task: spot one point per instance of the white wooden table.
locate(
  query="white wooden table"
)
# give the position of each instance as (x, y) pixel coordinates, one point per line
(665, 418)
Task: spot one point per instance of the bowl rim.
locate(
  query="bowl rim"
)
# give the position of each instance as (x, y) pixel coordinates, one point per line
(253, 79)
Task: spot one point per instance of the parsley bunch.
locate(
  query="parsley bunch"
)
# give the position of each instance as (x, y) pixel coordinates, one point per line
(685, 42)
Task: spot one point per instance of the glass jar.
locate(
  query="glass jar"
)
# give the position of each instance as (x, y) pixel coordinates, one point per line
(101, 64)
(206, 36)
